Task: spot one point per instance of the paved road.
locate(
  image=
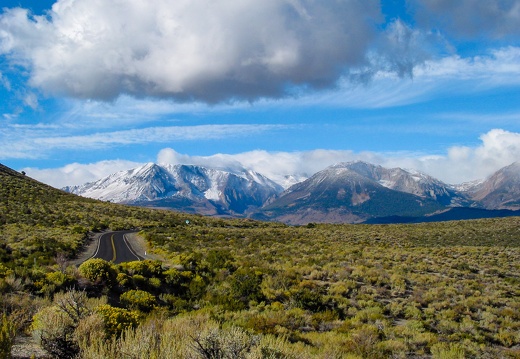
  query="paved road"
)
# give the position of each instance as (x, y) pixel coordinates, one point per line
(113, 246)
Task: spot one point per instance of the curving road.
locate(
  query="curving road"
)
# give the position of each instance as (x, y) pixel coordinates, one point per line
(114, 247)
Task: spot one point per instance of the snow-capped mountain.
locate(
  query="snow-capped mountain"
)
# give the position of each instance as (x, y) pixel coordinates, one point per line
(468, 187)
(145, 183)
(409, 181)
(499, 191)
(354, 192)
(184, 187)
(345, 192)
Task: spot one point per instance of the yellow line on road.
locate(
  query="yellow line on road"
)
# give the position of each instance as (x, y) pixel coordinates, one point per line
(113, 248)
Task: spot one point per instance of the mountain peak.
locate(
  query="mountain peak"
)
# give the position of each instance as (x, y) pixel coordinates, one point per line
(145, 170)
(185, 187)
(501, 190)
(513, 168)
(344, 192)
(355, 164)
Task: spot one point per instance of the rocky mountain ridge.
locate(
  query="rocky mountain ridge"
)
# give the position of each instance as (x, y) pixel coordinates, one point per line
(346, 192)
(184, 187)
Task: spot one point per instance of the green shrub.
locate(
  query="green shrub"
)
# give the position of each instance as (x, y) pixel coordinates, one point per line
(60, 280)
(230, 343)
(124, 280)
(146, 268)
(139, 281)
(4, 271)
(175, 304)
(7, 334)
(365, 342)
(98, 271)
(54, 329)
(245, 285)
(136, 299)
(447, 351)
(89, 330)
(220, 259)
(178, 281)
(117, 320)
(154, 283)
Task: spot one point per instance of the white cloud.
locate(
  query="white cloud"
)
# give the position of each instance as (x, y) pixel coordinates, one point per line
(429, 80)
(4, 82)
(470, 18)
(499, 67)
(498, 149)
(275, 165)
(76, 173)
(38, 140)
(189, 49)
(233, 50)
(152, 135)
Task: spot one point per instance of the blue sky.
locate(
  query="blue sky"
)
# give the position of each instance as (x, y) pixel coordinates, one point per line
(284, 87)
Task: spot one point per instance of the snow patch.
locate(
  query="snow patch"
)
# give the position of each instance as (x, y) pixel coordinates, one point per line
(213, 194)
(387, 183)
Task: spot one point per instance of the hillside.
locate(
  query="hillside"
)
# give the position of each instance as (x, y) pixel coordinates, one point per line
(38, 221)
(430, 290)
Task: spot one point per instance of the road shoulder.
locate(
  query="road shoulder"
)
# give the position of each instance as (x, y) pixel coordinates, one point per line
(90, 248)
(140, 246)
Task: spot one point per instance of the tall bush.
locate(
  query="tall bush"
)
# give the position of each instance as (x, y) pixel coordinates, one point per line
(136, 299)
(99, 271)
(7, 334)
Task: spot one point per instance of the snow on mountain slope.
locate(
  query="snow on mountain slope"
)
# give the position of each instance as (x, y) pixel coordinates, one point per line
(349, 191)
(468, 186)
(346, 192)
(500, 190)
(143, 183)
(408, 181)
(169, 185)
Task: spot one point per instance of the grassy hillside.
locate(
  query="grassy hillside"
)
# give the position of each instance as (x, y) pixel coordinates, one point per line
(246, 289)
(38, 221)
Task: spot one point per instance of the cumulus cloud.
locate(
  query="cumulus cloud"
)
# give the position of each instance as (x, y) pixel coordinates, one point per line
(498, 148)
(470, 18)
(275, 165)
(199, 50)
(76, 173)
(189, 49)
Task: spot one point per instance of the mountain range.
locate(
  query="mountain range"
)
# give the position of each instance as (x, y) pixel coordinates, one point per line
(352, 192)
(189, 188)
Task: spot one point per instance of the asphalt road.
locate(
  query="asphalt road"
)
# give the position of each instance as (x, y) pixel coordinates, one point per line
(114, 247)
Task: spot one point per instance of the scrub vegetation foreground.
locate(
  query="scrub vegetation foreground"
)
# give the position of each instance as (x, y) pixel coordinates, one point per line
(247, 289)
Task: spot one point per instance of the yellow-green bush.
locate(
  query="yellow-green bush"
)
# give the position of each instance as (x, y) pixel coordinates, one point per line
(7, 335)
(117, 320)
(136, 299)
(99, 271)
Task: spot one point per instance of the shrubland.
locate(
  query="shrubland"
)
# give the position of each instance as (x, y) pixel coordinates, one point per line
(232, 288)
